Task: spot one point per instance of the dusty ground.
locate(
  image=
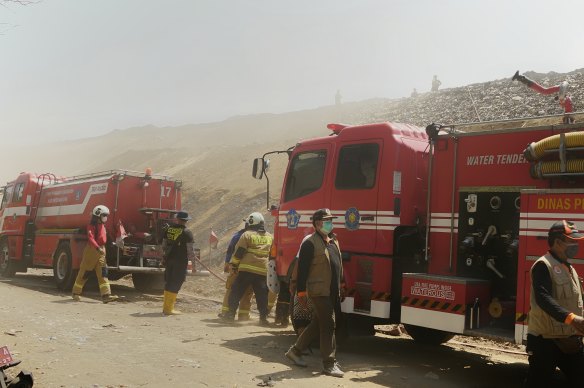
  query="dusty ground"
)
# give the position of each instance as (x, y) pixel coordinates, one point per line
(130, 344)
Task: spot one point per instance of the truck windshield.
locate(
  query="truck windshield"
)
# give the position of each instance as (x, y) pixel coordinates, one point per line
(305, 174)
(7, 193)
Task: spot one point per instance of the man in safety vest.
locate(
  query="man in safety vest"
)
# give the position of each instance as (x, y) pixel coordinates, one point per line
(555, 325)
(320, 278)
(250, 261)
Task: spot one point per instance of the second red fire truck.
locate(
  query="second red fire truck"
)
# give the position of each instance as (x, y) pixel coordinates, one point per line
(43, 221)
(439, 226)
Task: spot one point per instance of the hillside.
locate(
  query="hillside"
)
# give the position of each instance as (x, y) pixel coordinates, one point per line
(214, 159)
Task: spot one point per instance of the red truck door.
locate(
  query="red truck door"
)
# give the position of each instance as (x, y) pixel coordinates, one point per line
(355, 193)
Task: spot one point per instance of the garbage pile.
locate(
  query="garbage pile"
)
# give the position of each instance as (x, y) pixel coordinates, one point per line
(495, 100)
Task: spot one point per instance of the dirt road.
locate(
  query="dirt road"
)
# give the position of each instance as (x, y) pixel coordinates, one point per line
(130, 344)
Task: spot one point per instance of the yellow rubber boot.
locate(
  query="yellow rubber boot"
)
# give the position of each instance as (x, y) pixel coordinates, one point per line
(166, 305)
(172, 300)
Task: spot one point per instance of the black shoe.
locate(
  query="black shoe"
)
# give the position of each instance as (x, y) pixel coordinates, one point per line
(264, 321)
(227, 318)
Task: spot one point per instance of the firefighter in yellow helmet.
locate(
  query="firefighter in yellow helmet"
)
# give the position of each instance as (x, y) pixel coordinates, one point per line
(250, 261)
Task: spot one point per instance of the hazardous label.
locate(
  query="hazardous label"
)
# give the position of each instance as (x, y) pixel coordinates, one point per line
(484, 160)
(433, 290)
(5, 356)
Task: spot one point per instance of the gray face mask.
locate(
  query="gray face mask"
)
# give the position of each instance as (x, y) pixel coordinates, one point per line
(571, 250)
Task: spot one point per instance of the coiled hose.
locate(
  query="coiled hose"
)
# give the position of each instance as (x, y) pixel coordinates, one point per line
(544, 169)
(536, 150)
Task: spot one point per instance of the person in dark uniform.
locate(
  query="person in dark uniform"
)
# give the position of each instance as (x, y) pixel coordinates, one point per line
(555, 325)
(178, 245)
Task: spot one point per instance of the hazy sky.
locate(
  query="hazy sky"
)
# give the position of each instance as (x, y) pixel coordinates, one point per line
(78, 68)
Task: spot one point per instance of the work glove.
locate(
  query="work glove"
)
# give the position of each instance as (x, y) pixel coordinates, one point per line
(578, 324)
(226, 268)
(303, 300)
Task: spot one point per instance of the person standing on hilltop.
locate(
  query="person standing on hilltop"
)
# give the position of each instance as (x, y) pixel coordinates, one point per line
(178, 245)
(562, 89)
(94, 256)
(435, 83)
(245, 301)
(250, 262)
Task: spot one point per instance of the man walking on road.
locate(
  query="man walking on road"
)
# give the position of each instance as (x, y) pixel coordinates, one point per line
(94, 256)
(320, 275)
(555, 325)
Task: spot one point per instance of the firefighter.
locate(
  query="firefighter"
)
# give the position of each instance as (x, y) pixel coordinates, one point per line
(562, 89)
(245, 301)
(178, 244)
(555, 325)
(250, 262)
(94, 256)
(320, 278)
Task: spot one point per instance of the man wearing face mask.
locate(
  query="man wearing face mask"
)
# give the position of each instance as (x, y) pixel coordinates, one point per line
(94, 256)
(556, 326)
(320, 276)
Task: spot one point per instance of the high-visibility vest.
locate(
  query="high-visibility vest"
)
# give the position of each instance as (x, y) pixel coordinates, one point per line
(566, 290)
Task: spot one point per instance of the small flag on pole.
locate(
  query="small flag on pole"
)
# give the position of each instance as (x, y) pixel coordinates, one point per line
(213, 240)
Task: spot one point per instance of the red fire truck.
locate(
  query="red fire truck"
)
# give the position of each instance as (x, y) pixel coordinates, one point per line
(43, 221)
(438, 227)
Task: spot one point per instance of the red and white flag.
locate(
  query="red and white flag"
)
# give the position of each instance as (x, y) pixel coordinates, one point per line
(213, 240)
(120, 234)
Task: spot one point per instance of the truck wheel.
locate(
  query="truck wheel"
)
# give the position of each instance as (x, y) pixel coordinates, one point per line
(428, 336)
(7, 266)
(148, 282)
(63, 272)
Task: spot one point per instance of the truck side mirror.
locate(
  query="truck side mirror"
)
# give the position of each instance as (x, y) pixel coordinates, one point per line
(258, 168)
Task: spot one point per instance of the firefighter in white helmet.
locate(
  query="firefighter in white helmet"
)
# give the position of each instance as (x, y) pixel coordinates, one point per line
(94, 256)
(250, 261)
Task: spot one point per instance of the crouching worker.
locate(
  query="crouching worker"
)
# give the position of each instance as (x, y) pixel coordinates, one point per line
(94, 256)
(178, 243)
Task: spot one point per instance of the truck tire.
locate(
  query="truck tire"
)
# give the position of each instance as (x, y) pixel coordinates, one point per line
(428, 336)
(148, 282)
(7, 266)
(63, 271)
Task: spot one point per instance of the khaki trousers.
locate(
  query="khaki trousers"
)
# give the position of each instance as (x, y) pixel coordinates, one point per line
(93, 260)
(244, 302)
(322, 325)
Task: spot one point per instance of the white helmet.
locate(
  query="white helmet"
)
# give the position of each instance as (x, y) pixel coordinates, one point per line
(100, 210)
(255, 219)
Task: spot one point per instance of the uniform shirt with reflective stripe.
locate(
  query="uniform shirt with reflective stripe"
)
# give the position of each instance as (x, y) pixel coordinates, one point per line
(252, 251)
